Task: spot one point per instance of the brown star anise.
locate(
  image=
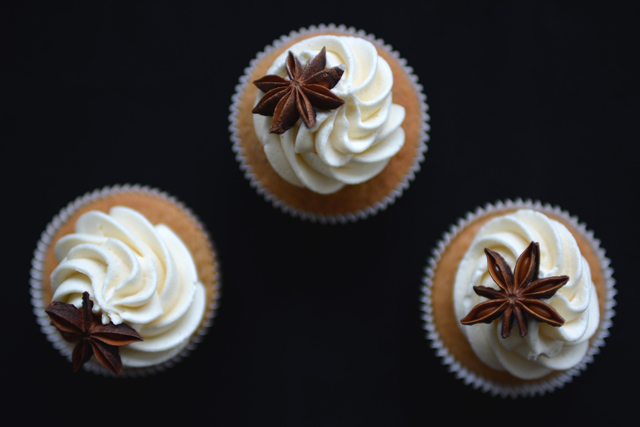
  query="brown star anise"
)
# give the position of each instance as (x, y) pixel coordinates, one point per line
(520, 292)
(91, 335)
(287, 100)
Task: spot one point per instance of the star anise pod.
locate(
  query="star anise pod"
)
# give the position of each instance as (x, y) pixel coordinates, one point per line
(520, 293)
(91, 336)
(288, 100)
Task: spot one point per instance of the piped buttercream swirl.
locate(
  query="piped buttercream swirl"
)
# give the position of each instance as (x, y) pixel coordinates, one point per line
(348, 145)
(545, 348)
(135, 273)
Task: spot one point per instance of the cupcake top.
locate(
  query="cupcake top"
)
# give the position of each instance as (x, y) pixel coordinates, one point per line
(136, 274)
(544, 348)
(349, 144)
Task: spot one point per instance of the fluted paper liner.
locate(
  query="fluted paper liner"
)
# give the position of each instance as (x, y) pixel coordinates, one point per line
(145, 200)
(352, 202)
(441, 324)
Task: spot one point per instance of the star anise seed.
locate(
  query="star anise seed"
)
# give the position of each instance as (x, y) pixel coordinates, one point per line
(288, 100)
(519, 295)
(91, 337)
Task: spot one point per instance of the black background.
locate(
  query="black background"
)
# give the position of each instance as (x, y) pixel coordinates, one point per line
(318, 324)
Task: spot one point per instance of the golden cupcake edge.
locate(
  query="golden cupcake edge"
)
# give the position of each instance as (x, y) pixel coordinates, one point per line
(158, 207)
(442, 326)
(352, 202)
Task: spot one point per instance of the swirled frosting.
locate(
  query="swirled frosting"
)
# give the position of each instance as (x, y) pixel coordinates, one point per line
(348, 145)
(136, 273)
(545, 348)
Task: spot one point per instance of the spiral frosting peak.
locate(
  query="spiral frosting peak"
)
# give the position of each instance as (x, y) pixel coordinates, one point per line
(545, 348)
(348, 145)
(136, 273)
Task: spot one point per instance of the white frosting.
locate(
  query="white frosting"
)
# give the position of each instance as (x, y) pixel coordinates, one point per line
(135, 273)
(348, 145)
(545, 348)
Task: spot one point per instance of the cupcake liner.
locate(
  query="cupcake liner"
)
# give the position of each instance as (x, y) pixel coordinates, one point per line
(526, 389)
(301, 213)
(37, 276)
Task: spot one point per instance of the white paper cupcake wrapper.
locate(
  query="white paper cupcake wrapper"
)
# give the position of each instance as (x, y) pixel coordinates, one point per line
(36, 272)
(312, 216)
(526, 389)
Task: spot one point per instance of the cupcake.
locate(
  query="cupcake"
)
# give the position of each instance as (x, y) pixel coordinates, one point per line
(124, 281)
(518, 298)
(329, 124)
